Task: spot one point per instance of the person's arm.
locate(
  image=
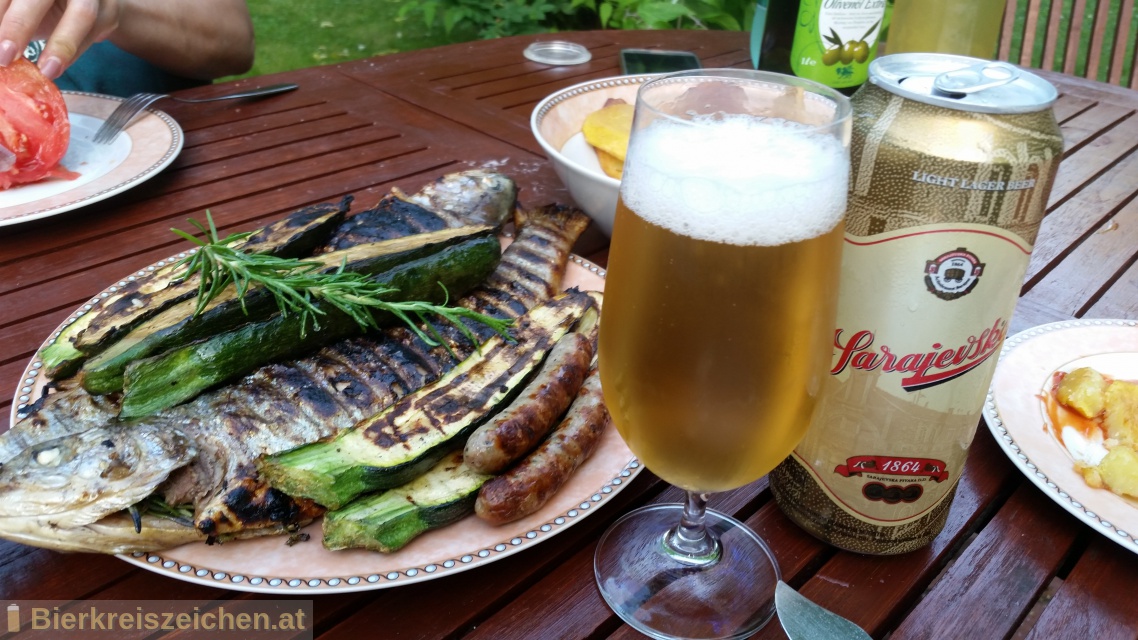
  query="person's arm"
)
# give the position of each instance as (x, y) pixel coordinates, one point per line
(202, 39)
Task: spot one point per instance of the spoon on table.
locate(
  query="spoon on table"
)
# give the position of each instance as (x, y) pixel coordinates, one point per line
(802, 619)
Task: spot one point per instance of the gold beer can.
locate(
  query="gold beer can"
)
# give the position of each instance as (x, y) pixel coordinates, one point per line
(952, 163)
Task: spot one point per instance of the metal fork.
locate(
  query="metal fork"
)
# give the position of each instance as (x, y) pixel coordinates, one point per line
(125, 112)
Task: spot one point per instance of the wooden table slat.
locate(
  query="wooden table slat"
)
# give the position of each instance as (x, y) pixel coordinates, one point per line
(1096, 597)
(1120, 300)
(572, 587)
(1091, 159)
(1065, 226)
(1104, 255)
(996, 579)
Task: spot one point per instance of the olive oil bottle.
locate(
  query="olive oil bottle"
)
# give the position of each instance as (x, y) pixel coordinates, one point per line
(828, 41)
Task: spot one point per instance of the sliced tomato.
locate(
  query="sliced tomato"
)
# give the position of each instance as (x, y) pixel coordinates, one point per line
(34, 131)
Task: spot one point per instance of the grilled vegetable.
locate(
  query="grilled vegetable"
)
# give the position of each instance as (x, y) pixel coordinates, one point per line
(297, 235)
(454, 200)
(406, 439)
(387, 521)
(162, 381)
(178, 326)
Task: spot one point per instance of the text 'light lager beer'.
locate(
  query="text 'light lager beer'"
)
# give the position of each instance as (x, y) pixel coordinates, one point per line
(721, 292)
(952, 162)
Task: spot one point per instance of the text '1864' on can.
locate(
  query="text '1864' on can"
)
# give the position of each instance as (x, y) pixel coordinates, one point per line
(952, 160)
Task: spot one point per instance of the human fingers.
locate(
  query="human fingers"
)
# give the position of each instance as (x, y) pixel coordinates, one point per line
(19, 23)
(71, 37)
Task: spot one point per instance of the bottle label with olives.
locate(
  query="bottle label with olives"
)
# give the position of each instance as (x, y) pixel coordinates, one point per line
(835, 40)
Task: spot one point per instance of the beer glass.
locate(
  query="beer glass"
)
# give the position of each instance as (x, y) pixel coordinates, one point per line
(717, 328)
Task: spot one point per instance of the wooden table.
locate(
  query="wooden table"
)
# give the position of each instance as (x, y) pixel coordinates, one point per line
(1009, 563)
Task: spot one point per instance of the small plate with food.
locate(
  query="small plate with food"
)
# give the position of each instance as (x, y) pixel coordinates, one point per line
(38, 179)
(1063, 406)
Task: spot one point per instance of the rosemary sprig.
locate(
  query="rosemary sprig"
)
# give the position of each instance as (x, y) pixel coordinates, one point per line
(297, 286)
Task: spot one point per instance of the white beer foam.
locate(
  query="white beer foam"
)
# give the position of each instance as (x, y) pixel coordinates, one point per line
(744, 181)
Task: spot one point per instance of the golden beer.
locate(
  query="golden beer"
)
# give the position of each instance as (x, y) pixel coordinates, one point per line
(720, 299)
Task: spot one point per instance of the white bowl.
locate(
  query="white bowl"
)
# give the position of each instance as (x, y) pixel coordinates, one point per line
(556, 123)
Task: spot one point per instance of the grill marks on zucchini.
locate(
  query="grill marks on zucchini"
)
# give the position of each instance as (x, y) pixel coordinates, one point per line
(537, 257)
(364, 375)
(391, 218)
(153, 384)
(454, 487)
(178, 326)
(401, 442)
(387, 521)
(294, 236)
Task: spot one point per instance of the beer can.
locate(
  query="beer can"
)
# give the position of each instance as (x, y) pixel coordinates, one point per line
(952, 163)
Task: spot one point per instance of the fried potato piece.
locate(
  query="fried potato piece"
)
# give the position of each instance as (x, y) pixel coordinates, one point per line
(610, 164)
(1119, 470)
(1120, 414)
(1084, 391)
(608, 129)
(1091, 476)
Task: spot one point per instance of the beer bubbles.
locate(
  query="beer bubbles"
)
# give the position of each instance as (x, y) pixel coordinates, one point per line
(747, 180)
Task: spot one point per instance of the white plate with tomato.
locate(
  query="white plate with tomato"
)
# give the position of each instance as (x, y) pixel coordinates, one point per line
(38, 182)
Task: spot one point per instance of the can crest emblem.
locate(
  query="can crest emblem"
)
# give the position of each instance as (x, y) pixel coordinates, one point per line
(953, 274)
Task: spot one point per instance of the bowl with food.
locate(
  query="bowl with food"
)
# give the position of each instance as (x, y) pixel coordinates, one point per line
(584, 131)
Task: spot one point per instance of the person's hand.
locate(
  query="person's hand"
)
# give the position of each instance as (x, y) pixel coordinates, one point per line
(70, 27)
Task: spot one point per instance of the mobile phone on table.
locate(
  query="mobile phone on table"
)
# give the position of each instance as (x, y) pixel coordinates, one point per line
(634, 61)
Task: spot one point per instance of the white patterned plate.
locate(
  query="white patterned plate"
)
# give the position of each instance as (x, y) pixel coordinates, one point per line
(1016, 415)
(268, 565)
(151, 143)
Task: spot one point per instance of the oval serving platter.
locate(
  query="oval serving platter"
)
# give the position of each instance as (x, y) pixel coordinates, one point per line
(269, 565)
(1015, 414)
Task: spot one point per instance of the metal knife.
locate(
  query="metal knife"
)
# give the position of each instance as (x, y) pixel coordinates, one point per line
(804, 620)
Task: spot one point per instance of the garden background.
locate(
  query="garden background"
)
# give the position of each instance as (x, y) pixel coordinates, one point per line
(294, 34)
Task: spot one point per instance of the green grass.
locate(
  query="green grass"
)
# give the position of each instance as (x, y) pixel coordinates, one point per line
(294, 35)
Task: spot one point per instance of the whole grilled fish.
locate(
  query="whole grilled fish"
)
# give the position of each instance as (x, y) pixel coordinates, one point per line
(278, 407)
(489, 197)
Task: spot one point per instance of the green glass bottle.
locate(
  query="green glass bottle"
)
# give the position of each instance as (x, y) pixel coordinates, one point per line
(828, 41)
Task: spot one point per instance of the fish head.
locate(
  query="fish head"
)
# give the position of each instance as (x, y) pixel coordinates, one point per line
(77, 479)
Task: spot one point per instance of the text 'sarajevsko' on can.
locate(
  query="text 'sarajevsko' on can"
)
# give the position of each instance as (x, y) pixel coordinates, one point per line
(952, 163)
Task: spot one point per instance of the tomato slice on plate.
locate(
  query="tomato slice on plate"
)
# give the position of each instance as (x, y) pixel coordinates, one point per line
(34, 131)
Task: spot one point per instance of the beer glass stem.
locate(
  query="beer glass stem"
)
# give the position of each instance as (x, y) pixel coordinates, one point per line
(691, 542)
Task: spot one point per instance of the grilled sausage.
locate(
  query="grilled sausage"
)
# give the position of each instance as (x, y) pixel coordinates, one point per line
(522, 425)
(532, 482)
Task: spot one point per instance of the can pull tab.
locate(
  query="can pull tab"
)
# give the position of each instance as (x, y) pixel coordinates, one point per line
(975, 79)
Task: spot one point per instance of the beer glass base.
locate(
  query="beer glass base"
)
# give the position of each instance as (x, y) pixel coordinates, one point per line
(663, 597)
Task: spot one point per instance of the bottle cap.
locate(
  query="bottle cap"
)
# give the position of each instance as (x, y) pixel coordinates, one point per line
(557, 52)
